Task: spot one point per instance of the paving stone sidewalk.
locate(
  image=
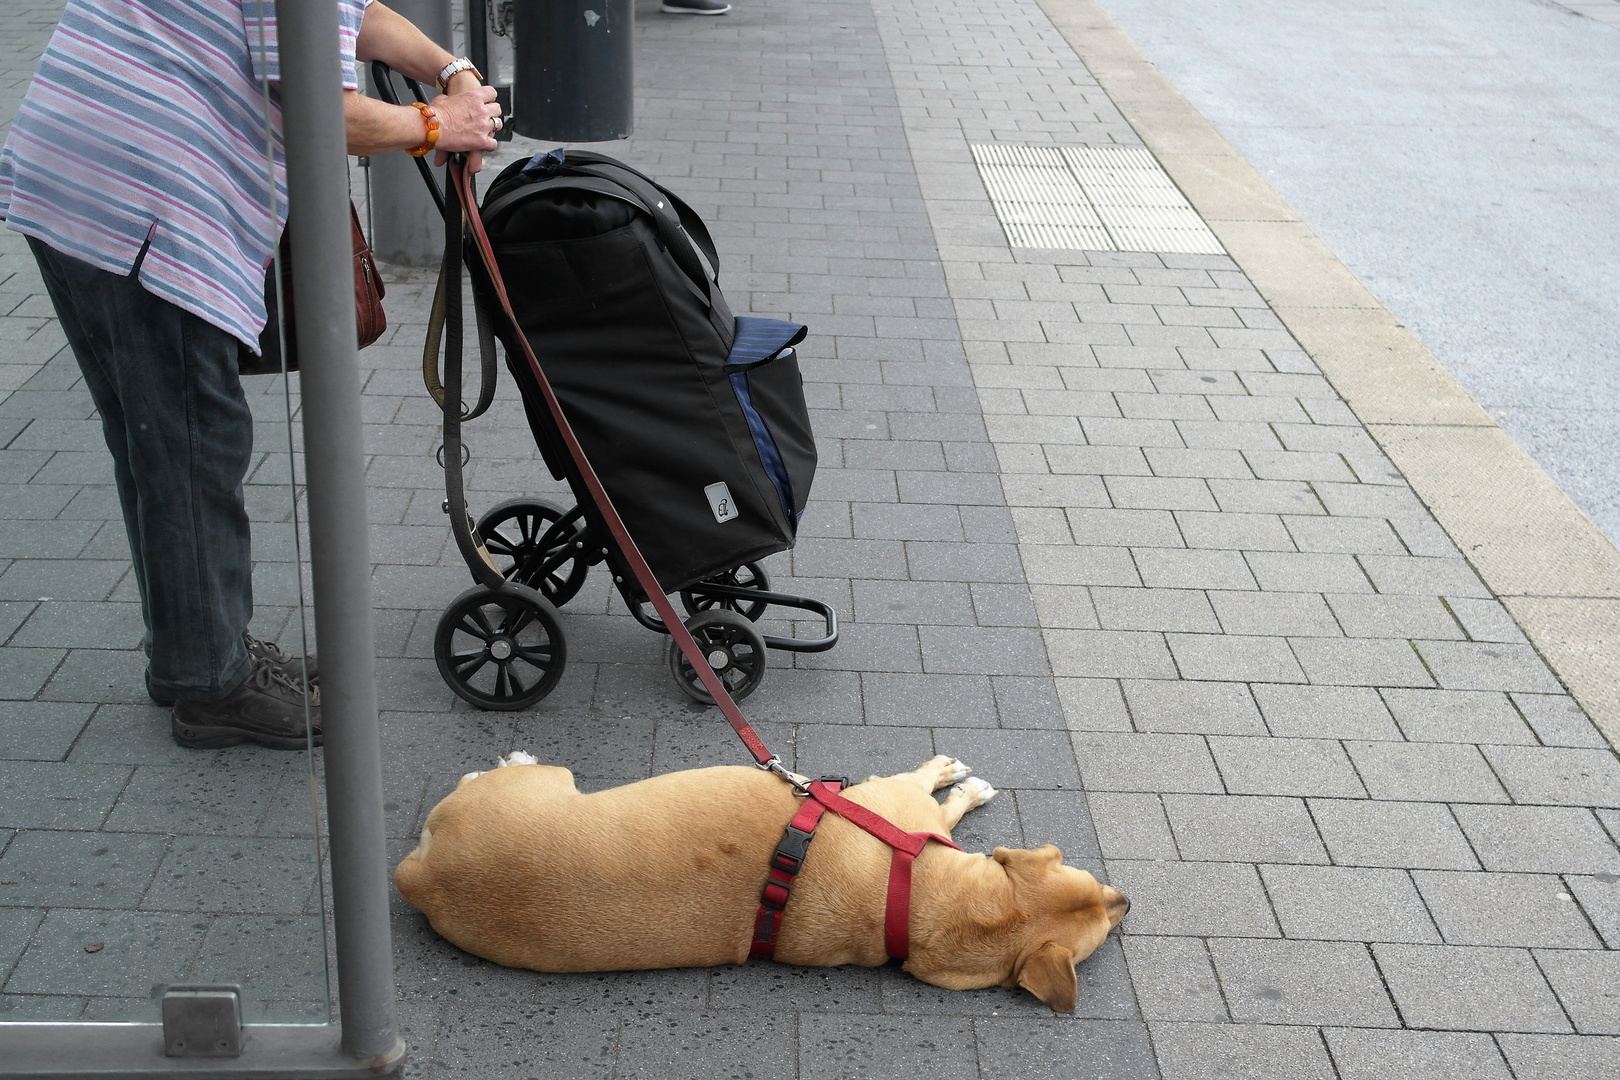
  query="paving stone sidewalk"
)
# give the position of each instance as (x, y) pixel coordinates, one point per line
(1093, 523)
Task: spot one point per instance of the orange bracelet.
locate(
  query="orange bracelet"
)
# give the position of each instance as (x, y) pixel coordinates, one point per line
(432, 123)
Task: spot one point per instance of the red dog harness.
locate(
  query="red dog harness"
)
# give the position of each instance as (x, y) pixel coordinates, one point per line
(821, 795)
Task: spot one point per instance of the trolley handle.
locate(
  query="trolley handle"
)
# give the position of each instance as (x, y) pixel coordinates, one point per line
(382, 76)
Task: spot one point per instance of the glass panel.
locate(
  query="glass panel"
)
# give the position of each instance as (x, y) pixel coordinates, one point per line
(127, 861)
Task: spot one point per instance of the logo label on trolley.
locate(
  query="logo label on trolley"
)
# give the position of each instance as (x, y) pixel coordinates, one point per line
(721, 503)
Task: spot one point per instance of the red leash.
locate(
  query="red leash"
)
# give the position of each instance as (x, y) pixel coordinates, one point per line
(821, 795)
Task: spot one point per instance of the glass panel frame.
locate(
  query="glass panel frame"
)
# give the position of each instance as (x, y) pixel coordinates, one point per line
(368, 1045)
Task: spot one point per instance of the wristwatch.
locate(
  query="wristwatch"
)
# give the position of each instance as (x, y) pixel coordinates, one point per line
(453, 68)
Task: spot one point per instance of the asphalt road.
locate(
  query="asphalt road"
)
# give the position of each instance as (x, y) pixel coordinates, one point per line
(1463, 158)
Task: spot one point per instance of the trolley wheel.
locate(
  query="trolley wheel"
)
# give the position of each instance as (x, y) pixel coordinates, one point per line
(735, 650)
(516, 530)
(500, 649)
(750, 575)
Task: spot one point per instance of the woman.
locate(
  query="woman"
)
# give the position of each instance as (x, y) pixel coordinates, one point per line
(137, 168)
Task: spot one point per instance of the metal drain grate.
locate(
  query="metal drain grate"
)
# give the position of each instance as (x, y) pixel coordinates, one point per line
(1090, 198)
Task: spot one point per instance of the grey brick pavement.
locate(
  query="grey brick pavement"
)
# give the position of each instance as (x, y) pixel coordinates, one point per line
(1297, 712)
(1093, 523)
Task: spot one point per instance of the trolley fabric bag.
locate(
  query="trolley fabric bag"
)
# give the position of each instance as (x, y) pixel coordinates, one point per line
(693, 418)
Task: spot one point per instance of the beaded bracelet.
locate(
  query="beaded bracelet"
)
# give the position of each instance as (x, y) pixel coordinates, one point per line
(432, 123)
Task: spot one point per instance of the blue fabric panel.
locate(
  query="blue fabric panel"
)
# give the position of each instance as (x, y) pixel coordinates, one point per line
(768, 454)
(760, 339)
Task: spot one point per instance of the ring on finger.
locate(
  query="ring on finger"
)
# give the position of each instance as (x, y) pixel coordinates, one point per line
(495, 124)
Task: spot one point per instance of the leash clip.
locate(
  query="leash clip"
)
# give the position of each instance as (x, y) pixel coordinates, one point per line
(775, 766)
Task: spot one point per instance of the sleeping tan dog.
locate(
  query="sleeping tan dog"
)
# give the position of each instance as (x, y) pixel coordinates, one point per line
(519, 867)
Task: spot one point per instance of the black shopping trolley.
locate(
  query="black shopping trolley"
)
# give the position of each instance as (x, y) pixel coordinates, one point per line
(692, 419)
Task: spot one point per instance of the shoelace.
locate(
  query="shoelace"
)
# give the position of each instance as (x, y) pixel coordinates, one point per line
(267, 649)
(266, 676)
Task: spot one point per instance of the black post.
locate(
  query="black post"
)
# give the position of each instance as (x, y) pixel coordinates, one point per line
(573, 79)
(477, 29)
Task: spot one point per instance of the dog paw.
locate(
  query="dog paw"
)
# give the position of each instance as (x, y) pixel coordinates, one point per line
(518, 757)
(977, 791)
(957, 771)
(470, 776)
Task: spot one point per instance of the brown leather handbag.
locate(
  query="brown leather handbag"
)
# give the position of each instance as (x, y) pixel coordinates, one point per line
(368, 310)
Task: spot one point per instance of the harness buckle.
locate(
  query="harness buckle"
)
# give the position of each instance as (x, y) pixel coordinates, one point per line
(789, 854)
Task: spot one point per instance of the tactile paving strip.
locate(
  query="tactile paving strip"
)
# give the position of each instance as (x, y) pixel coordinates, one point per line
(1090, 198)
(1038, 200)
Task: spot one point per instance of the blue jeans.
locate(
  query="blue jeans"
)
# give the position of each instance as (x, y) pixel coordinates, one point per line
(181, 435)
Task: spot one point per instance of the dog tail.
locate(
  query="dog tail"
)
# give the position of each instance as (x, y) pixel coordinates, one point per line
(412, 874)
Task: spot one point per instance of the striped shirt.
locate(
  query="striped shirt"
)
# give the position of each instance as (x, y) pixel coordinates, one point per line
(146, 124)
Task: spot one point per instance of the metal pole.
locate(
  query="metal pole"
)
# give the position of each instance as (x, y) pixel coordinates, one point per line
(407, 229)
(323, 293)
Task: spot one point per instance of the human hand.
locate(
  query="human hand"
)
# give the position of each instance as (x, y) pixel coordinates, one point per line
(468, 121)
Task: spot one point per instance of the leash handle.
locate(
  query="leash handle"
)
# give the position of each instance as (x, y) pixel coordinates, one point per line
(610, 516)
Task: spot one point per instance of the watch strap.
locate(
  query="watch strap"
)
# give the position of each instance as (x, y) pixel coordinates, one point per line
(453, 68)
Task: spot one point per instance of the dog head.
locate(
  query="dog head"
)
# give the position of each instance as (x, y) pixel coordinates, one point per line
(1067, 914)
(1057, 916)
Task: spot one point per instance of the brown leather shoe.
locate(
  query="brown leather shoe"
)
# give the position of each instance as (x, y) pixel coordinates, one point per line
(266, 708)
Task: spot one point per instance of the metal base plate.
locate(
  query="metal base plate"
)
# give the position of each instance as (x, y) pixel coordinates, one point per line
(135, 1052)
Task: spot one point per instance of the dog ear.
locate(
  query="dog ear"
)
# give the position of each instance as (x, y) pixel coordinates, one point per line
(1019, 861)
(1049, 975)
